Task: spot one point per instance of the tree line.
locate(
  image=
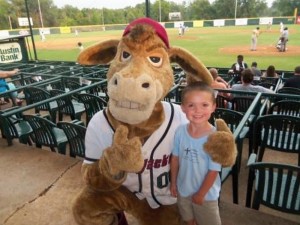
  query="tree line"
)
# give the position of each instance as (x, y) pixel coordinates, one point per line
(52, 16)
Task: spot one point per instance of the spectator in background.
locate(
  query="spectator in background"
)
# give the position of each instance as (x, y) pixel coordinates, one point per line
(247, 77)
(4, 86)
(294, 82)
(256, 71)
(238, 67)
(218, 82)
(270, 72)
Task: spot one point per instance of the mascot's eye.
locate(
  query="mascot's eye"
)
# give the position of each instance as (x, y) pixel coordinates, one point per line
(145, 85)
(155, 60)
(125, 56)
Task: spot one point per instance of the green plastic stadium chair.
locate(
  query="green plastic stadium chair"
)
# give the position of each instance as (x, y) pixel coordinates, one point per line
(75, 132)
(92, 104)
(46, 133)
(276, 186)
(15, 126)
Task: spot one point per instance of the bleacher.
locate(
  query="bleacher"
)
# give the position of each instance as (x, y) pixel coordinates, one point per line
(73, 79)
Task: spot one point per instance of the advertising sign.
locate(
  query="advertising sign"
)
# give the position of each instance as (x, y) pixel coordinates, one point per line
(266, 20)
(23, 21)
(175, 16)
(241, 22)
(10, 52)
(219, 23)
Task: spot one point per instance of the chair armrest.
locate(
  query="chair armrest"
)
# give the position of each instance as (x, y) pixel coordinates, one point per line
(252, 159)
(78, 122)
(244, 132)
(47, 116)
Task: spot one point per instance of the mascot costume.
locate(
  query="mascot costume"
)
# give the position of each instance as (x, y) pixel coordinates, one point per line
(129, 144)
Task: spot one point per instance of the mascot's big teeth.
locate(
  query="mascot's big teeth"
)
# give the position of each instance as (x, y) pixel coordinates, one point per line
(128, 104)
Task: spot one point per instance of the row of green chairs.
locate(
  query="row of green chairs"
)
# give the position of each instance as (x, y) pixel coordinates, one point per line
(278, 130)
(19, 126)
(275, 184)
(234, 117)
(67, 105)
(38, 129)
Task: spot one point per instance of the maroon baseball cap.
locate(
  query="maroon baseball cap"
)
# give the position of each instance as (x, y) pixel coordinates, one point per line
(160, 30)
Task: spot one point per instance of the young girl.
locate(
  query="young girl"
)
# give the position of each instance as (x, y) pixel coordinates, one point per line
(195, 179)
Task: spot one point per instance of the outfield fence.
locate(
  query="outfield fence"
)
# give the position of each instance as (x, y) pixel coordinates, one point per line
(174, 24)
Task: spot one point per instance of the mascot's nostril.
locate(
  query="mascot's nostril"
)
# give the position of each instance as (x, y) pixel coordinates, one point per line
(116, 81)
(145, 85)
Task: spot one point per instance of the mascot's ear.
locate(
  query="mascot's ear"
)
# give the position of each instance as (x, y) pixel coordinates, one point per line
(194, 68)
(101, 53)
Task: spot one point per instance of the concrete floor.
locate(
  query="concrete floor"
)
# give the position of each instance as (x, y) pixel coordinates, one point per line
(37, 188)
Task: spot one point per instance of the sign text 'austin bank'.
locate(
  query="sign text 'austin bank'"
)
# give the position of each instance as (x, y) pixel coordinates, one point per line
(10, 52)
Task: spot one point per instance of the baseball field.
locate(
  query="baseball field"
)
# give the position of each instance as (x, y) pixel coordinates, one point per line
(214, 46)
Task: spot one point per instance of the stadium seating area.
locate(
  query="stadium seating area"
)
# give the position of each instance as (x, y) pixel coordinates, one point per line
(38, 81)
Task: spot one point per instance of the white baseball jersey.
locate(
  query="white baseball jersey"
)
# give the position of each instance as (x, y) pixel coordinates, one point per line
(152, 182)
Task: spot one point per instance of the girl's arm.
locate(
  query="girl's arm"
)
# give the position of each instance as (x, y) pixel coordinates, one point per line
(198, 198)
(174, 172)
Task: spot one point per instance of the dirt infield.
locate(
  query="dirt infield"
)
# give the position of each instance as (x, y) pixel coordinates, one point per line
(261, 50)
(264, 50)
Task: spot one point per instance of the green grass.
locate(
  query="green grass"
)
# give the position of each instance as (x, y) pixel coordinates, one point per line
(204, 43)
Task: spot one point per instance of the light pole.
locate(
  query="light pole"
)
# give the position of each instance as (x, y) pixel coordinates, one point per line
(159, 11)
(9, 20)
(31, 32)
(235, 9)
(40, 12)
(147, 8)
(102, 16)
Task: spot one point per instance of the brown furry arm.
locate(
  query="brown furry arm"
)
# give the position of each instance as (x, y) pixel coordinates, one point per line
(221, 145)
(98, 177)
(116, 161)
